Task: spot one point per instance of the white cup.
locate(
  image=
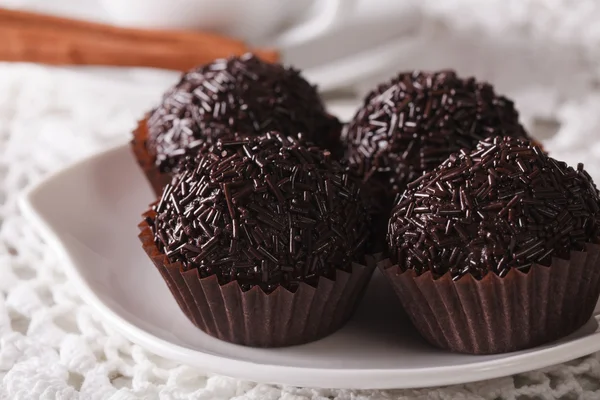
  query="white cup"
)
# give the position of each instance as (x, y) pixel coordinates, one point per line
(252, 20)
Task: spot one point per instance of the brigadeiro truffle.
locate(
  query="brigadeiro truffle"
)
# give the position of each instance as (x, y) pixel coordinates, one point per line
(262, 241)
(411, 124)
(239, 96)
(496, 249)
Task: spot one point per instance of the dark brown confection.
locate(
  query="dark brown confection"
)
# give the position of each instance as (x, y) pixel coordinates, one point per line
(411, 124)
(505, 205)
(239, 96)
(265, 211)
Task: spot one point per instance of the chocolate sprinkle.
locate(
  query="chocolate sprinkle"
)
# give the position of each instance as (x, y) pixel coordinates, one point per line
(410, 125)
(534, 208)
(239, 96)
(279, 214)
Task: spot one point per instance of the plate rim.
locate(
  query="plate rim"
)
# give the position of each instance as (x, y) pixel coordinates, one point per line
(247, 370)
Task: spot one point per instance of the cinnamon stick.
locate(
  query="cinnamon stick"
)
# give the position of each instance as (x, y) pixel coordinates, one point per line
(32, 37)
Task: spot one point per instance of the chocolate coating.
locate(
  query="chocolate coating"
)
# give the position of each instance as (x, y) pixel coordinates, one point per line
(504, 205)
(264, 211)
(411, 124)
(239, 96)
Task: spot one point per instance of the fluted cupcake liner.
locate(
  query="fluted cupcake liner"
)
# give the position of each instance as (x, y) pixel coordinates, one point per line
(146, 160)
(501, 314)
(255, 318)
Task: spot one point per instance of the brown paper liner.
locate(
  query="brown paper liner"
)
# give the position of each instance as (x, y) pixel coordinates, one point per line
(499, 315)
(146, 160)
(254, 318)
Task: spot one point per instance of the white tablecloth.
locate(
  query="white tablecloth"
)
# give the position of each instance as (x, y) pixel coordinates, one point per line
(54, 347)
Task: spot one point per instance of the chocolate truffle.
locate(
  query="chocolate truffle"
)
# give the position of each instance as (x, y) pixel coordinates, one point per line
(239, 96)
(261, 241)
(265, 211)
(496, 250)
(411, 124)
(505, 205)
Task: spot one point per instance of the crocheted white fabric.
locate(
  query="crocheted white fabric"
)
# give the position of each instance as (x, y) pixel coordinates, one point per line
(54, 347)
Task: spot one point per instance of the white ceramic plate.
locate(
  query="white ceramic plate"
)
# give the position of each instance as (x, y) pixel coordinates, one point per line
(89, 213)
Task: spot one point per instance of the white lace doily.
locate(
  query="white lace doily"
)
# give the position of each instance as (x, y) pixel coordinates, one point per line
(54, 347)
